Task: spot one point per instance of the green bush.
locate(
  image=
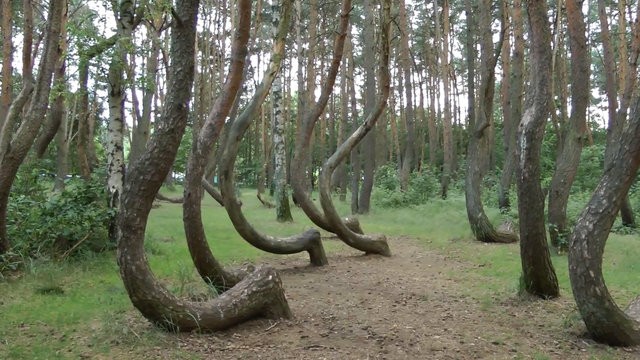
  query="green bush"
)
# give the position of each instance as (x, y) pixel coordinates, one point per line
(45, 225)
(423, 186)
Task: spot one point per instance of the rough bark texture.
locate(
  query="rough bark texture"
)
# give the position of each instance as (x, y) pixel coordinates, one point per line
(368, 146)
(447, 130)
(308, 241)
(115, 126)
(408, 156)
(206, 264)
(604, 320)
(538, 275)
(142, 128)
(617, 111)
(514, 108)
(478, 148)
(283, 211)
(575, 137)
(260, 293)
(305, 131)
(14, 147)
(369, 244)
(6, 95)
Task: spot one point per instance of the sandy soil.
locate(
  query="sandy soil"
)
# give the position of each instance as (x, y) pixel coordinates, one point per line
(408, 306)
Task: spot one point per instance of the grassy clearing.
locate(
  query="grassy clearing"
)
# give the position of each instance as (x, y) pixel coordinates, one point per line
(80, 308)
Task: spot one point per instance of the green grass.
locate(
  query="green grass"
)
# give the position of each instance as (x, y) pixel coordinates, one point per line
(80, 308)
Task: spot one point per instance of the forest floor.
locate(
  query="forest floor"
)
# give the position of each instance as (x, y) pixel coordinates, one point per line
(417, 304)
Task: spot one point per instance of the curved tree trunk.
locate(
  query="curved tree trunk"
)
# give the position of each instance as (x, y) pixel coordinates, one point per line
(618, 111)
(308, 241)
(260, 293)
(206, 264)
(303, 135)
(479, 149)
(604, 320)
(14, 147)
(368, 244)
(55, 117)
(569, 158)
(538, 275)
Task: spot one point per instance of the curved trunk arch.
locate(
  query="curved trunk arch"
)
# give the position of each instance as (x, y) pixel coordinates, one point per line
(369, 244)
(259, 293)
(310, 240)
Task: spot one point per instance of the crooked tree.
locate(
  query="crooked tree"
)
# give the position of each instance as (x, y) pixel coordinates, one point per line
(260, 292)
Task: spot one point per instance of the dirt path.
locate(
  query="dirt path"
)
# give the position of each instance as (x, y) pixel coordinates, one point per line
(403, 307)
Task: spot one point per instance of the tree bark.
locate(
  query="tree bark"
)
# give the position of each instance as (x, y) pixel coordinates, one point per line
(304, 134)
(575, 137)
(447, 130)
(368, 244)
(283, 211)
(617, 112)
(479, 137)
(408, 158)
(56, 114)
(308, 241)
(7, 60)
(14, 147)
(368, 147)
(512, 112)
(116, 124)
(259, 293)
(604, 320)
(538, 275)
(142, 128)
(208, 267)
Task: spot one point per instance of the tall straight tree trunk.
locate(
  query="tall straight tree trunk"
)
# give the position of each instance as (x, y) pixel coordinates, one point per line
(408, 158)
(368, 147)
(575, 137)
(538, 275)
(283, 211)
(115, 126)
(15, 144)
(354, 156)
(6, 93)
(142, 129)
(516, 85)
(447, 129)
(479, 137)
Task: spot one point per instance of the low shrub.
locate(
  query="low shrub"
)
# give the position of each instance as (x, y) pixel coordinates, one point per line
(43, 224)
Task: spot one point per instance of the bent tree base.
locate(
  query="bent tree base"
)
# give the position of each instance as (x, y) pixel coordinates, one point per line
(259, 294)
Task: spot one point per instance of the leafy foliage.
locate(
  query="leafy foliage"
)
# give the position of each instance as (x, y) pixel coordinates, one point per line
(43, 224)
(423, 186)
